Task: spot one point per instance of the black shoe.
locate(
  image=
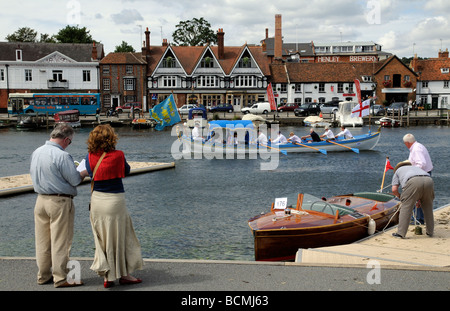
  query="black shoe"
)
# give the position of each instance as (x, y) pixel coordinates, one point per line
(396, 235)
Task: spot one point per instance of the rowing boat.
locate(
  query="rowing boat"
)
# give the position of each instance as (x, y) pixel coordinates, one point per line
(313, 222)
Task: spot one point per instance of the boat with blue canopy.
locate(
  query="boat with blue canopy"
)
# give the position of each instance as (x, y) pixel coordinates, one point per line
(240, 135)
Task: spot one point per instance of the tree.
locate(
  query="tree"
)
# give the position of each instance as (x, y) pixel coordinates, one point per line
(124, 47)
(74, 34)
(46, 38)
(194, 32)
(23, 34)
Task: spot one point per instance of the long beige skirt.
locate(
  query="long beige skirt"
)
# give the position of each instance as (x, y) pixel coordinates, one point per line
(117, 249)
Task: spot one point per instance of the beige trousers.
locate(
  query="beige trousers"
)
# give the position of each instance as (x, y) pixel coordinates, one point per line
(417, 188)
(54, 222)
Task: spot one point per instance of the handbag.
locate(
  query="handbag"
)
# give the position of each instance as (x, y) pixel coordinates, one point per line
(93, 175)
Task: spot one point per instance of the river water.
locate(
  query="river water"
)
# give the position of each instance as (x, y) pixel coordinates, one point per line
(199, 209)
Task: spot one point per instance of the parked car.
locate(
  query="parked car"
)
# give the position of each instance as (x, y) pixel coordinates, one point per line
(329, 107)
(377, 110)
(307, 109)
(127, 107)
(222, 108)
(185, 108)
(288, 107)
(257, 108)
(397, 108)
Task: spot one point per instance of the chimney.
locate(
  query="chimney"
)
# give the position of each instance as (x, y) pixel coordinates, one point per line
(165, 43)
(220, 42)
(278, 50)
(443, 54)
(146, 49)
(94, 52)
(267, 33)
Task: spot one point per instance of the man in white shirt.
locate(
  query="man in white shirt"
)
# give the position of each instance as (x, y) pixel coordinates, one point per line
(345, 133)
(281, 139)
(328, 134)
(294, 138)
(196, 133)
(418, 156)
(262, 139)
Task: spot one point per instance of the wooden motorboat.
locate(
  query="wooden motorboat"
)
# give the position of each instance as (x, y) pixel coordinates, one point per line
(71, 117)
(314, 222)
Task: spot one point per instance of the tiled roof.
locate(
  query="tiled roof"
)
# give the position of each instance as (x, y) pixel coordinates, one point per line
(34, 51)
(123, 58)
(321, 72)
(430, 69)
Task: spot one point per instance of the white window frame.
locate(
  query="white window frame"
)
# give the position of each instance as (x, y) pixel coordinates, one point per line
(208, 81)
(106, 84)
(129, 84)
(86, 76)
(28, 75)
(169, 81)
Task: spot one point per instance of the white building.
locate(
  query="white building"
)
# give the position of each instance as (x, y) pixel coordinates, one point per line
(48, 68)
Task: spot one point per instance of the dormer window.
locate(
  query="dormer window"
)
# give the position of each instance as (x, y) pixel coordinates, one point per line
(445, 70)
(18, 55)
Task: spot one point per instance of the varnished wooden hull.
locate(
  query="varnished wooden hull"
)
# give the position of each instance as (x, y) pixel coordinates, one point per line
(283, 243)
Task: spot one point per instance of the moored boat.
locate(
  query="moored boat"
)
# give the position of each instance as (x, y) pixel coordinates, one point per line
(142, 123)
(71, 117)
(29, 121)
(388, 122)
(315, 222)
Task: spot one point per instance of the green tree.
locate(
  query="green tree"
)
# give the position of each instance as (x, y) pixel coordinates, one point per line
(124, 47)
(23, 34)
(194, 32)
(74, 34)
(45, 37)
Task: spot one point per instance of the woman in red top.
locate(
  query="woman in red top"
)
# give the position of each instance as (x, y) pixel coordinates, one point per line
(117, 249)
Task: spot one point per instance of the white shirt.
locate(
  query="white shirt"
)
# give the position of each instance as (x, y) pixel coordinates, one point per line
(295, 139)
(196, 134)
(346, 133)
(262, 139)
(329, 134)
(419, 156)
(281, 139)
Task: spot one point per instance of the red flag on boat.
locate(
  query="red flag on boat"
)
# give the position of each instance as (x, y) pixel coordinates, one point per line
(271, 97)
(388, 165)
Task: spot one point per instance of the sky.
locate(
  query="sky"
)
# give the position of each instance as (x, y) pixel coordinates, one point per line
(402, 27)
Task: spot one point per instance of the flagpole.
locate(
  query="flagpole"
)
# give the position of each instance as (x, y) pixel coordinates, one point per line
(384, 174)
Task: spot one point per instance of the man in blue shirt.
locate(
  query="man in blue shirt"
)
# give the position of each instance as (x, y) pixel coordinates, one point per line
(55, 178)
(416, 185)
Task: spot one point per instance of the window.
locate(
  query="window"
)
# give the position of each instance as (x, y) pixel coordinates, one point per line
(245, 81)
(245, 62)
(169, 81)
(129, 84)
(105, 70)
(208, 81)
(129, 69)
(298, 101)
(169, 62)
(425, 84)
(298, 88)
(2, 74)
(340, 87)
(19, 55)
(367, 78)
(445, 70)
(57, 75)
(28, 75)
(86, 76)
(446, 84)
(350, 87)
(207, 62)
(387, 78)
(321, 87)
(106, 84)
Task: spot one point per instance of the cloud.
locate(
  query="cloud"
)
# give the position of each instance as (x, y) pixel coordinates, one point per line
(127, 17)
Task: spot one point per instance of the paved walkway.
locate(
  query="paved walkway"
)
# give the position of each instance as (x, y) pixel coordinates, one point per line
(19, 274)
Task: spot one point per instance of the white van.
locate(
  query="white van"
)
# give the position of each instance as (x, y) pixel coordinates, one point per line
(257, 108)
